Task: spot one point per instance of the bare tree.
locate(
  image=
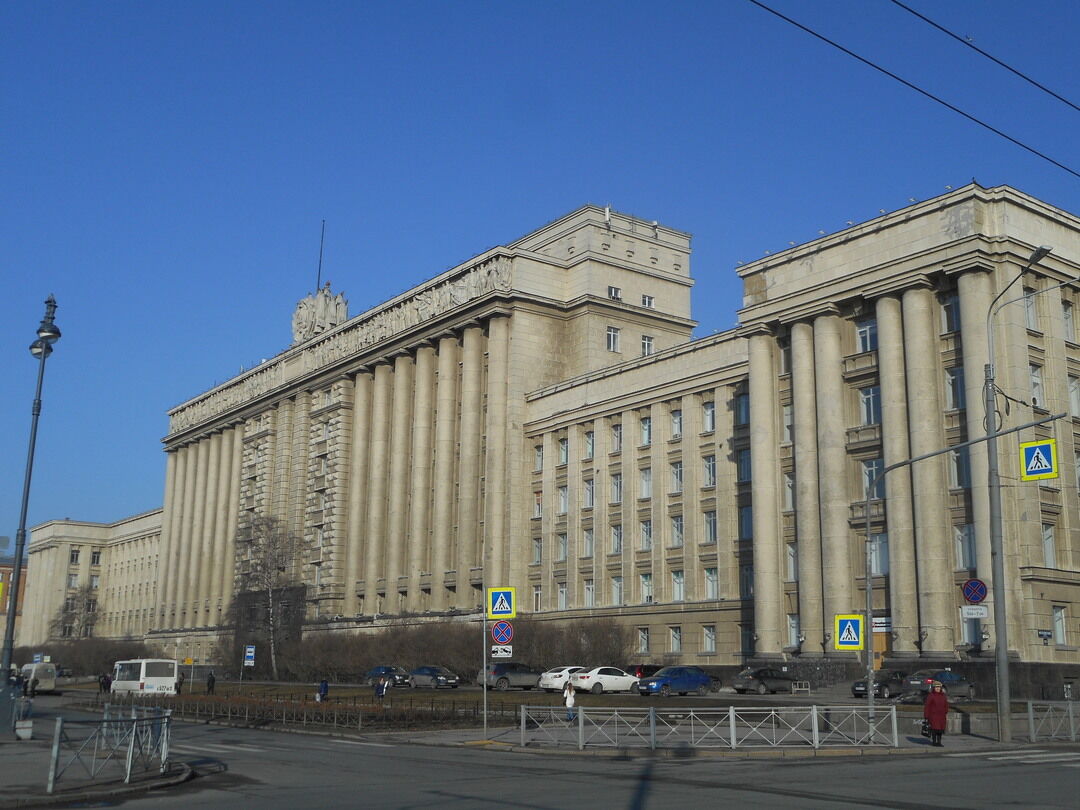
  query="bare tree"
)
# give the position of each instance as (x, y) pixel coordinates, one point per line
(78, 615)
(268, 557)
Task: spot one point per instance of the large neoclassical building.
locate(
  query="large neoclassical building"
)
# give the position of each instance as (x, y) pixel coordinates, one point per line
(540, 417)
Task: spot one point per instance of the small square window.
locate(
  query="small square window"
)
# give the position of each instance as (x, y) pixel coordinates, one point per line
(614, 293)
(648, 302)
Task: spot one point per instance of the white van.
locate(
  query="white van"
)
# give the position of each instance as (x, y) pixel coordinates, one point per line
(145, 676)
(45, 674)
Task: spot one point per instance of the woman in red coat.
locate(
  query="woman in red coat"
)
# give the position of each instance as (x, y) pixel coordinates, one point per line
(934, 711)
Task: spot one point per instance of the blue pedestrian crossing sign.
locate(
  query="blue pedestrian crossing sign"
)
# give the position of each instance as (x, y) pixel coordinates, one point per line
(848, 631)
(1038, 460)
(501, 603)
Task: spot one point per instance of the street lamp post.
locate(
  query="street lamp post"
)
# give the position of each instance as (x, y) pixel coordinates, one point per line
(997, 562)
(47, 334)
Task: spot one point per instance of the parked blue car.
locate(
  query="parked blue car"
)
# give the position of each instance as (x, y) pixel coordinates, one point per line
(676, 679)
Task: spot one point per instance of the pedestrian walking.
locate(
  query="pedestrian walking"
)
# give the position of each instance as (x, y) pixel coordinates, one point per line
(101, 683)
(33, 687)
(380, 688)
(210, 681)
(569, 696)
(935, 712)
(180, 682)
(324, 690)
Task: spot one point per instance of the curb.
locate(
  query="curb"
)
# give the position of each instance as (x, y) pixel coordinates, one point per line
(47, 799)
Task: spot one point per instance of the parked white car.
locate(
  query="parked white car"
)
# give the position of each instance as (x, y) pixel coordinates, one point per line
(604, 679)
(555, 679)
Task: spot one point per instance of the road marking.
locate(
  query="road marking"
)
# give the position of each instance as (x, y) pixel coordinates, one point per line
(1039, 757)
(987, 753)
(226, 749)
(357, 742)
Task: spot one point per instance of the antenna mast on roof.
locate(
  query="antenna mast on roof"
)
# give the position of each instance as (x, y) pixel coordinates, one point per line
(322, 236)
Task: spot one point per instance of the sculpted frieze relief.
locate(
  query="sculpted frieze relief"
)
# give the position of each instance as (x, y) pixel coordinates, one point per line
(492, 275)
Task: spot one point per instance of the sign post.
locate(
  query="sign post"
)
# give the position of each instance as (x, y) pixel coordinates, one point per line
(500, 606)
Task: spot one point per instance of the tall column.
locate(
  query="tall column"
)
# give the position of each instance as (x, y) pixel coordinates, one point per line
(445, 446)
(933, 532)
(355, 542)
(203, 584)
(469, 465)
(166, 528)
(768, 607)
(899, 521)
(418, 548)
(495, 495)
(187, 525)
(376, 516)
(400, 436)
(807, 518)
(228, 562)
(832, 471)
(216, 556)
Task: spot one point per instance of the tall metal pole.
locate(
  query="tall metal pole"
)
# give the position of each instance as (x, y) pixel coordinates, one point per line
(41, 348)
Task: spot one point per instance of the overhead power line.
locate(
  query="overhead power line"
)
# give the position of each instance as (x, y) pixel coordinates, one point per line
(918, 89)
(991, 57)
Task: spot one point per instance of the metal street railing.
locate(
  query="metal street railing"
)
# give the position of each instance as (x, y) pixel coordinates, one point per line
(105, 750)
(1053, 720)
(733, 728)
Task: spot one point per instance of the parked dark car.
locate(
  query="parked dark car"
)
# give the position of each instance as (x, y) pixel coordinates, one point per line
(642, 670)
(887, 684)
(504, 675)
(397, 675)
(762, 681)
(956, 685)
(434, 677)
(675, 679)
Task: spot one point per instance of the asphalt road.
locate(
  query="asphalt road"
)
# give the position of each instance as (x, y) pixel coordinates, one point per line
(241, 768)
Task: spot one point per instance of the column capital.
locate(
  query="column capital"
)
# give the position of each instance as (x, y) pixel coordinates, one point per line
(968, 264)
(756, 330)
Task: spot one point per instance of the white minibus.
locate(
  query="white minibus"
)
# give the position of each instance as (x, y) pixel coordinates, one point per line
(145, 676)
(45, 674)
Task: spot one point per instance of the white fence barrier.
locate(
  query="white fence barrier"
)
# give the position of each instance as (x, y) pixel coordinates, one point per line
(100, 750)
(1053, 720)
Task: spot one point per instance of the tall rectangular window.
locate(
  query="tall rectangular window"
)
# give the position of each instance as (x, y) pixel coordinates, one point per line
(866, 334)
(73, 580)
(561, 546)
(964, 541)
(73, 556)
(95, 557)
(955, 395)
(564, 450)
(960, 469)
(1049, 546)
(870, 404)
(1037, 400)
(746, 581)
(712, 584)
(879, 554)
(743, 471)
(1031, 318)
(613, 338)
(787, 424)
(538, 504)
(616, 539)
(708, 638)
(708, 417)
(746, 523)
(646, 587)
(616, 488)
(1068, 324)
(564, 499)
(643, 639)
(873, 481)
(677, 531)
(537, 550)
(1074, 396)
(588, 542)
(676, 638)
(676, 423)
(645, 532)
(791, 560)
(788, 503)
(742, 409)
(950, 313)
(590, 444)
(590, 593)
(588, 494)
(538, 457)
(1057, 621)
(616, 591)
(708, 471)
(645, 482)
(616, 438)
(648, 345)
(678, 586)
(676, 476)
(563, 596)
(646, 431)
(793, 631)
(709, 533)
(95, 581)
(537, 598)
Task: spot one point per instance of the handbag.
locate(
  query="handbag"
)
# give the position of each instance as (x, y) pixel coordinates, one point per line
(926, 728)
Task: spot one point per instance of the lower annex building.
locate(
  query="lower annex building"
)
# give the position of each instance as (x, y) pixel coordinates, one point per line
(540, 417)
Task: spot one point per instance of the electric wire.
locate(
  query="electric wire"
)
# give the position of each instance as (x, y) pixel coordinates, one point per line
(918, 89)
(991, 57)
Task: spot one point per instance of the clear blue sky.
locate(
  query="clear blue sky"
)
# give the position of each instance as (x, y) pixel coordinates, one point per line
(166, 166)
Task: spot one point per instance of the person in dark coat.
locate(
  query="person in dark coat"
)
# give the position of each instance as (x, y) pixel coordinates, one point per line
(935, 710)
(210, 681)
(324, 690)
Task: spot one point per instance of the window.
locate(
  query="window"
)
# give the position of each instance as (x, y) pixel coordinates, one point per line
(646, 430)
(793, 632)
(1074, 396)
(960, 469)
(950, 313)
(648, 302)
(743, 471)
(538, 457)
(678, 586)
(95, 557)
(787, 426)
(561, 546)
(645, 533)
(588, 495)
(614, 293)
(91, 605)
(1049, 546)
(955, 397)
(1036, 386)
(590, 444)
(1031, 318)
(676, 476)
(712, 584)
(95, 581)
(866, 334)
(590, 593)
(73, 581)
(538, 550)
(616, 438)
(616, 487)
(746, 581)
(588, 542)
(791, 559)
(785, 356)
(646, 588)
(69, 604)
(538, 598)
(746, 523)
(643, 639)
(564, 499)
(616, 591)
(564, 450)
(561, 591)
(789, 491)
(742, 409)
(873, 480)
(1067, 323)
(708, 417)
(645, 479)
(879, 554)
(709, 534)
(538, 504)
(613, 338)
(708, 471)
(677, 527)
(67, 631)
(964, 541)
(746, 639)
(870, 405)
(616, 539)
(1058, 623)
(971, 632)
(676, 423)
(647, 345)
(73, 556)
(676, 638)
(708, 638)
